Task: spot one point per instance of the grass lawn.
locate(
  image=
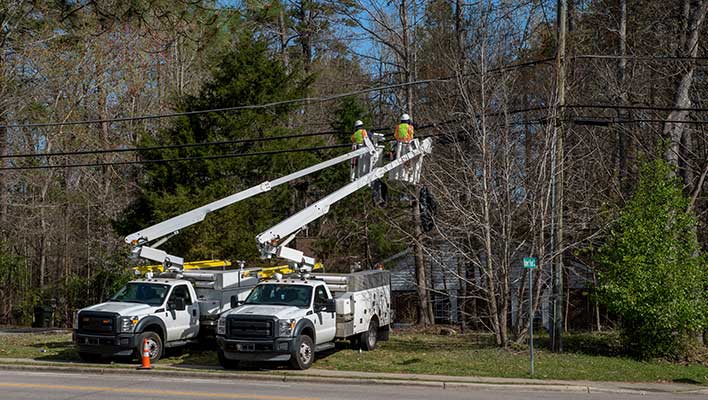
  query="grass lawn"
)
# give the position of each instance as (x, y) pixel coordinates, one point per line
(587, 357)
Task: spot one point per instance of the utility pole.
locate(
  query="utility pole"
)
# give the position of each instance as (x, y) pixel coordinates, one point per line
(557, 185)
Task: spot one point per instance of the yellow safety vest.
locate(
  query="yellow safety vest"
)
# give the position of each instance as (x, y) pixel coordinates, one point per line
(358, 136)
(404, 133)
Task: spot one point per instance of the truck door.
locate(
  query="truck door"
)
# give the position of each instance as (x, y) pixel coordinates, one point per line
(325, 322)
(181, 324)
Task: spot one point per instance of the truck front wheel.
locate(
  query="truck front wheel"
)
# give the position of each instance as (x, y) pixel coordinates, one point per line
(154, 343)
(303, 353)
(368, 338)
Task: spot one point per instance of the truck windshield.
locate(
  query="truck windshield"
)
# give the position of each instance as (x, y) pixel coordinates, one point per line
(283, 295)
(139, 292)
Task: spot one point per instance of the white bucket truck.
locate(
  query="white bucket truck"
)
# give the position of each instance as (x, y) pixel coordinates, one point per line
(290, 319)
(172, 309)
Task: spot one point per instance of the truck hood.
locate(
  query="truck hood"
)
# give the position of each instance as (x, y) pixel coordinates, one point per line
(124, 309)
(280, 312)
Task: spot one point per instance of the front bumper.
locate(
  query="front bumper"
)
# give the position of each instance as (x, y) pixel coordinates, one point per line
(278, 349)
(106, 345)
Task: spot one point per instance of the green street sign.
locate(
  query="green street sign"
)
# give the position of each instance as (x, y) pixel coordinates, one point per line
(529, 262)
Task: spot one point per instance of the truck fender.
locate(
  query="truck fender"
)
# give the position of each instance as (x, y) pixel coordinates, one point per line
(151, 320)
(304, 324)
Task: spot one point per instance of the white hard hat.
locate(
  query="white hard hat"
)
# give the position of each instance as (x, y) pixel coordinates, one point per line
(358, 123)
(405, 117)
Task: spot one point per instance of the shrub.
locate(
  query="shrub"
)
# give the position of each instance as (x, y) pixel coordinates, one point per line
(651, 272)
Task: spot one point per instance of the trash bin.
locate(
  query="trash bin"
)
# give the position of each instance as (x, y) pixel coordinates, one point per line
(43, 316)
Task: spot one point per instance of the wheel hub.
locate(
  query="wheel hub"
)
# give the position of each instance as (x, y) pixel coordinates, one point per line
(153, 348)
(305, 353)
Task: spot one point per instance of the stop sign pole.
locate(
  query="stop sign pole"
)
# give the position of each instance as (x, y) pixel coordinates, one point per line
(530, 264)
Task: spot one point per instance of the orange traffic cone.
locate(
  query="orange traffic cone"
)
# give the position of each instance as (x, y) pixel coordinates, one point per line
(146, 356)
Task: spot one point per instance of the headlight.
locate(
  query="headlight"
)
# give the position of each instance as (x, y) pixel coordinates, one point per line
(286, 327)
(126, 324)
(76, 320)
(221, 326)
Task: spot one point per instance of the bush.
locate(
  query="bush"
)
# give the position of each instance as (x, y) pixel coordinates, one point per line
(651, 272)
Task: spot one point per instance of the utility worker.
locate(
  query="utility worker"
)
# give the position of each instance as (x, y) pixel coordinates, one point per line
(357, 141)
(359, 134)
(404, 130)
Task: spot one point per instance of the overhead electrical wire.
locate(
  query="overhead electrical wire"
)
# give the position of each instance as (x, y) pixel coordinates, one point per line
(341, 95)
(266, 105)
(212, 157)
(223, 109)
(200, 144)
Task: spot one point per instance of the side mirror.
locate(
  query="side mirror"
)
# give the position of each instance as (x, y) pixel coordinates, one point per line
(327, 306)
(330, 306)
(180, 304)
(235, 302)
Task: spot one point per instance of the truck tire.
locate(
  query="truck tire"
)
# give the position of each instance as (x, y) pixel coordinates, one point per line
(303, 353)
(367, 339)
(225, 362)
(154, 344)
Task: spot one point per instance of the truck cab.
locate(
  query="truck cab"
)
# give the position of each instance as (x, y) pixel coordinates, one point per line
(163, 311)
(279, 319)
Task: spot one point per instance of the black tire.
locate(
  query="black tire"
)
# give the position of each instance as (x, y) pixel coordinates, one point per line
(225, 362)
(154, 344)
(368, 338)
(303, 353)
(89, 357)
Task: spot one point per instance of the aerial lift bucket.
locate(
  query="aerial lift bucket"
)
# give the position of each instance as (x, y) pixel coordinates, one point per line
(410, 171)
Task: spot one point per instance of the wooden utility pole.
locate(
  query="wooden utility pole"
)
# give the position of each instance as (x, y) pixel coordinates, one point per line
(557, 186)
(622, 145)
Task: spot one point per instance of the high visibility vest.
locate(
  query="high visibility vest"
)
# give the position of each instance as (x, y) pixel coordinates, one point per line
(358, 136)
(404, 132)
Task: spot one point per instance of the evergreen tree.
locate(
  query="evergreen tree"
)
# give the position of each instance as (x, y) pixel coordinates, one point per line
(652, 275)
(246, 76)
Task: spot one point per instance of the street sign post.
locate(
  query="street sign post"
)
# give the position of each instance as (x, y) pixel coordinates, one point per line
(530, 264)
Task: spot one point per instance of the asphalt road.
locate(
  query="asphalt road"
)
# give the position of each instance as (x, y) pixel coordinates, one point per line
(16, 385)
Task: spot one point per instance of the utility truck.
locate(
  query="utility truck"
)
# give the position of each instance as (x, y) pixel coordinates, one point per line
(171, 309)
(182, 301)
(291, 318)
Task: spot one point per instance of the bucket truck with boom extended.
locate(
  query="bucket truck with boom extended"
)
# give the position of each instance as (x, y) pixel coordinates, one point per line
(292, 318)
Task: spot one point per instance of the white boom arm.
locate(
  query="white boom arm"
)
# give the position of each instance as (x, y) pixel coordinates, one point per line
(159, 233)
(273, 241)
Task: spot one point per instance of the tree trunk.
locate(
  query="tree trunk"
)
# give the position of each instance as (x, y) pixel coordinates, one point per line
(621, 128)
(283, 35)
(424, 317)
(689, 48)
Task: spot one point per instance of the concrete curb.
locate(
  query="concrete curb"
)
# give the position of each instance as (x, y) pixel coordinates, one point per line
(351, 380)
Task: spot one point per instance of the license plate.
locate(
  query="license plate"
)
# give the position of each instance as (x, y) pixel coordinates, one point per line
(246, 347)
(93, 341)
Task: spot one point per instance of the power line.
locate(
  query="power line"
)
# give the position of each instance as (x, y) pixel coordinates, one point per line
(214, 157)
(166, 147)
(224, 109)
(639, 58)
(636, 107)
(201, 144)
(597, 121)
(267, 105)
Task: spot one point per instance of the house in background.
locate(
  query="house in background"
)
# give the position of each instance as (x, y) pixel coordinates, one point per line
(446, 292)
(442, 280)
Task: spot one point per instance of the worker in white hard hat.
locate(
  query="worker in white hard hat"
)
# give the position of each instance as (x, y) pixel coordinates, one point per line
(359, 134)
(357, 141)
(404, 130)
